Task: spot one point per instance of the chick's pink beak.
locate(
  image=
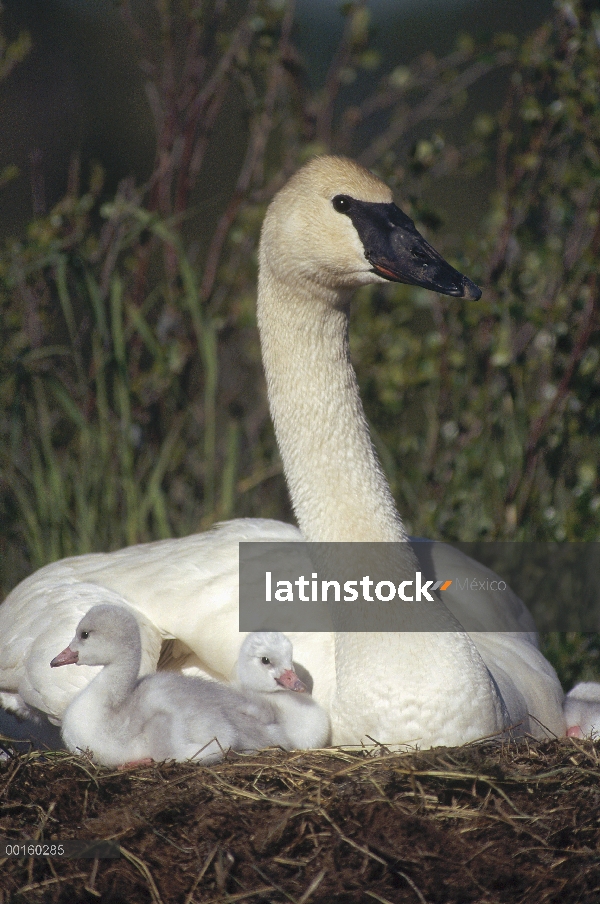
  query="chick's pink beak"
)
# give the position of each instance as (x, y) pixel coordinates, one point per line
(67, 657)
(290, 680)
(574, 732)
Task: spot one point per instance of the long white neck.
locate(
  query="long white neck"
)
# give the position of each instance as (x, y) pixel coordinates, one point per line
(338, 489)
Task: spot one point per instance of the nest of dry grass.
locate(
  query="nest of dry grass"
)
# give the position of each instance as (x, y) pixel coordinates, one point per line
(485, 823)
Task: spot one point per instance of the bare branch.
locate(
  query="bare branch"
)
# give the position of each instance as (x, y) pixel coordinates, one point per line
(251, 165)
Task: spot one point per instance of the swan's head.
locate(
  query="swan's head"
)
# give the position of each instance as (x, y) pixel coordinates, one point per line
(265, 663)
(104, 634)
(336, 224)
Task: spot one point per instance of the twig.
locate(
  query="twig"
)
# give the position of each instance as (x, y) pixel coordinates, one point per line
(242, 895)
(46, 882)
(200, 876)
(324, 121)
(145, 872)
(312, 887)
(540, 425)
(255, 151)
(204, 109)
(439, 94)
(274, 885)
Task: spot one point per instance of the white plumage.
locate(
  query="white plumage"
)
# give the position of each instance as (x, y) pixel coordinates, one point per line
(120, 718)
(582, 710)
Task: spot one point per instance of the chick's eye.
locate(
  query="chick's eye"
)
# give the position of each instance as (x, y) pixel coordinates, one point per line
(341, 203)
(265, 660)
(85, 635)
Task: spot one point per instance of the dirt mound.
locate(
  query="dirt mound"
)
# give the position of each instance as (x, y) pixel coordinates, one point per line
(485, 823)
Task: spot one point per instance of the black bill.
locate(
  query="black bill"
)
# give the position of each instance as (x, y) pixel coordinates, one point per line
(397, 251)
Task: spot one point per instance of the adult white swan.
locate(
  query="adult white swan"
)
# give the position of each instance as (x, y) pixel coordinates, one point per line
(332, 228)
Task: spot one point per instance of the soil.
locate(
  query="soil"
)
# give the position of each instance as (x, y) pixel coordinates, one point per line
(484, 823)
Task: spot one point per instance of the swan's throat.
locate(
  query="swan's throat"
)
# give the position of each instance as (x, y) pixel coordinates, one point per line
(338, 489)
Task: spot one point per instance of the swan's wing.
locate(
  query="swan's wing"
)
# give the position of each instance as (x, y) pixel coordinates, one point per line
(180, 589)
(503, 631)
(528, 683)
(473, 597)
(36, 623)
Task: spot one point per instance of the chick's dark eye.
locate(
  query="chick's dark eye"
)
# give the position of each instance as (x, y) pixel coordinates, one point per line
(265, 660)
(341, 204)
(85, 635)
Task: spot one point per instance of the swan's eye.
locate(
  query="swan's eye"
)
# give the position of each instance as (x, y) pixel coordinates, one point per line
(85, 635)
(341, 203)
(265, 660)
